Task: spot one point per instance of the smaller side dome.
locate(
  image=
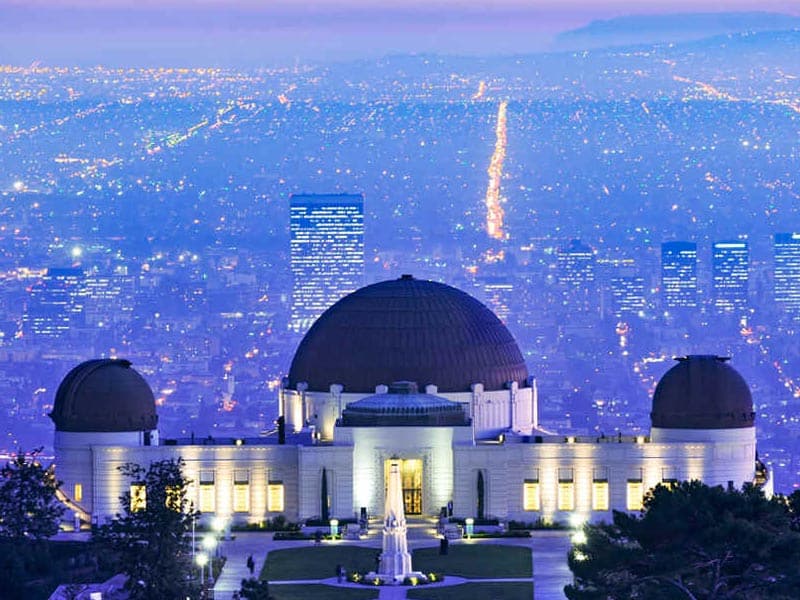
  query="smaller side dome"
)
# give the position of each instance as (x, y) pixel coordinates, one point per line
(104, 395)
(702, 392)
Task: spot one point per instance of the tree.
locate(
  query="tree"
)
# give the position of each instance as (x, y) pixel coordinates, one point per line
(29, 507)
(325, 506)
(693, 542)
(481, 496)
(255, 589)
(150, 538)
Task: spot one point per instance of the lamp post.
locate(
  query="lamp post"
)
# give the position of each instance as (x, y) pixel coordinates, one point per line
(470, 523)
(209, 544)
(201, 560)
(194, 518)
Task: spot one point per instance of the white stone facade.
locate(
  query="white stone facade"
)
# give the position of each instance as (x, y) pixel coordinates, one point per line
(549, 469)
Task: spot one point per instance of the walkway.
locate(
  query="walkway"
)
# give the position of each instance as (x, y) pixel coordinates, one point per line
(548, 551)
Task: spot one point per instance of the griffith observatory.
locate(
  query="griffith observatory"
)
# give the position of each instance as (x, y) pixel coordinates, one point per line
(423, 375)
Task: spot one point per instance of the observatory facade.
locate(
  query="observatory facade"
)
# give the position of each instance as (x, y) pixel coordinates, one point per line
(416, 372)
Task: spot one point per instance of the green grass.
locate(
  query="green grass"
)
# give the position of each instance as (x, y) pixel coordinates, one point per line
(321, 592)
(317, 562)
(488, 591)
(476, 561)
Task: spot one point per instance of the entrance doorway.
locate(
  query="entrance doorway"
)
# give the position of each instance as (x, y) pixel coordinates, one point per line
(411, 481)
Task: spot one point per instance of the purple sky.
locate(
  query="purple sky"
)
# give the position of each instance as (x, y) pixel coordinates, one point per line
(261, 32)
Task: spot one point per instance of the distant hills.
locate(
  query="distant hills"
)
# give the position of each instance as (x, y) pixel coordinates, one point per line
(680, 27)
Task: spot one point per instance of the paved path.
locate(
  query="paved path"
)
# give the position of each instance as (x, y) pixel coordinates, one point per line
(548, 551)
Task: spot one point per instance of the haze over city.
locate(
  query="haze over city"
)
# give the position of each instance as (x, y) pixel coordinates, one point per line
(616, 181)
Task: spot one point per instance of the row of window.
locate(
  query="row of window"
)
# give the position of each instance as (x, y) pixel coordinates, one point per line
(207, 497)
(531, 495)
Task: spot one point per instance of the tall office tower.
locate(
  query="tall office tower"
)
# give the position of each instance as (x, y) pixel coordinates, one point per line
(678, 275)
(109, 298)
(627, 294)
(730, 275)
(787, 273)
(327, 252)
(55, 304)
(498, 294)
(576, 275)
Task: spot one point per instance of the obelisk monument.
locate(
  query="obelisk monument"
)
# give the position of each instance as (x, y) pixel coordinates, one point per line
(395, 559)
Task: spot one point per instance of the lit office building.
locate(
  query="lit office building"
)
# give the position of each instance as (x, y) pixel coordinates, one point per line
(787, 272)
(627, 295)
(55, 304)
(730, 275)
(327, 252)
(576, 274)
(678, 275)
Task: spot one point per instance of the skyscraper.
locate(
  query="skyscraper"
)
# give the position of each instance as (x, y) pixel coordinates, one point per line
(678, 275)
(730, 275)
(627, 294)
(327, 252)
(55, 304)
(787, 273)
(576, 275)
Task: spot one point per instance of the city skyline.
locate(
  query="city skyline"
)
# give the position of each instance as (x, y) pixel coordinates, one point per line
(169, 189)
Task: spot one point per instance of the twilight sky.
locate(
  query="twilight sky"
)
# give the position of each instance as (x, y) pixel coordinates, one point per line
(249, 32)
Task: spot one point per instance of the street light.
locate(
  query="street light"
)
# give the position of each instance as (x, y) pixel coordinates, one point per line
(201, 560)
(210, 543)
(470, 523)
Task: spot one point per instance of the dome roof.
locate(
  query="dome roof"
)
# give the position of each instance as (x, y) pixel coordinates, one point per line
(404, 405)
(407, 329)
(702, 392)
(104, 395)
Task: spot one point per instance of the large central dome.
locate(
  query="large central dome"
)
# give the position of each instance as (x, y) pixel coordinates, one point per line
(407, 330)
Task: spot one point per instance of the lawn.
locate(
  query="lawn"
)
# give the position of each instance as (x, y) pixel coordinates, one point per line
(495, 591)
(317, 562)
(476, 561)
(321, 592)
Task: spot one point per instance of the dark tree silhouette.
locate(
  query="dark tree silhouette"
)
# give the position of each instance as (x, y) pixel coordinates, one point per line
(481, 496)
(150, 538)
(691, 541)
(29, 507)
(326, 509)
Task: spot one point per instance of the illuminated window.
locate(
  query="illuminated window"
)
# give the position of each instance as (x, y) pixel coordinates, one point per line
(241, 497)
(77, 493)
(241, 491)
(207, 498)
(530, 495)
(275, 496)
(635, 494)
(138, 497)
(566, 495)
(599, 495)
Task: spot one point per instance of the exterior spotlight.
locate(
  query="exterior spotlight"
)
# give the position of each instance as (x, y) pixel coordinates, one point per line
(579, 537)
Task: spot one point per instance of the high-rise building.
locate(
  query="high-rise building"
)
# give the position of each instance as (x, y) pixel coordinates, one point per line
(576, 275)
(627, 294)
(730, 275)
(678, 275)
(327, 252)
(55, 304)
(498, 292)
(787, 272)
